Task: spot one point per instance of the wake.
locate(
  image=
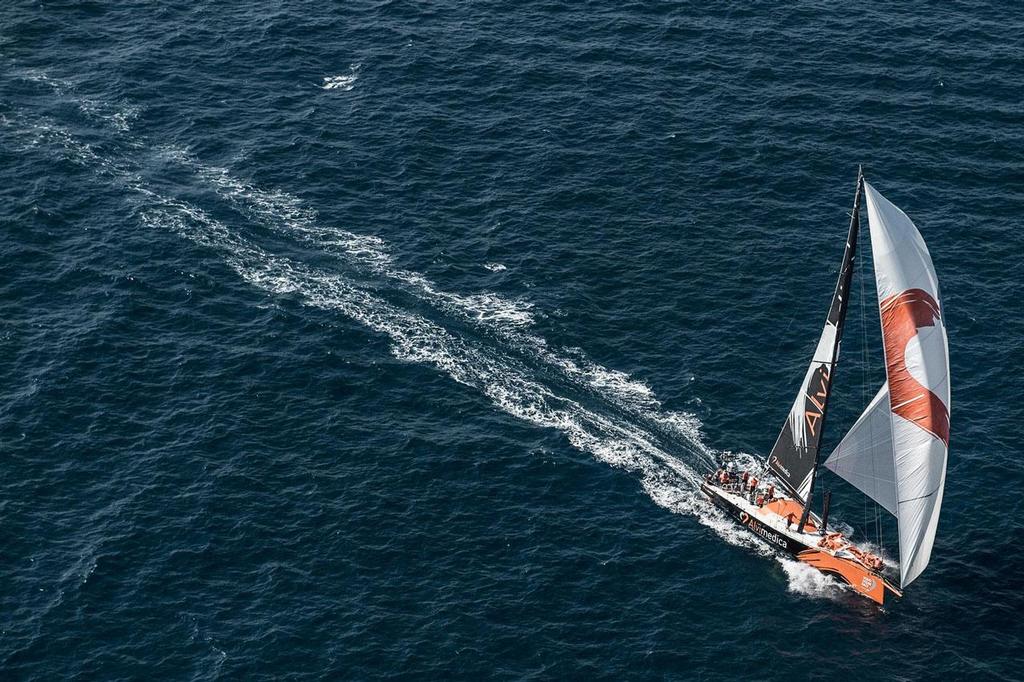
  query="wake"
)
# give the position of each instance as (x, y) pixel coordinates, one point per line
(500, 362)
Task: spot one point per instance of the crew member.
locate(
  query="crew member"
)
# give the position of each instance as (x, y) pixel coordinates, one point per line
(771, 492)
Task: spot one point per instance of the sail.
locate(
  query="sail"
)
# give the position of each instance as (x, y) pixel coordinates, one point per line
(917, 388)
(794, 457)
(864, 457)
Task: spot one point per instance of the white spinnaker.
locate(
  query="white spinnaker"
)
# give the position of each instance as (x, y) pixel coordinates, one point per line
(917, 371)
(864, 458)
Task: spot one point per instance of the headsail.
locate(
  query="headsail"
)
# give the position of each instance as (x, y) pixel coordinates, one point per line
(794, 457)
(864, 457)
(911, 428)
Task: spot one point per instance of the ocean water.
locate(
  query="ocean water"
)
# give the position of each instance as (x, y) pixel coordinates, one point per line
(388, 340)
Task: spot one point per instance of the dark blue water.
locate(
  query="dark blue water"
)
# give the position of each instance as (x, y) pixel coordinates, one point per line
(388, 339)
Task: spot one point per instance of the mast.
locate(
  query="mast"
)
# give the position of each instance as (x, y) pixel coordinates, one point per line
(837, 317)
(794, 457)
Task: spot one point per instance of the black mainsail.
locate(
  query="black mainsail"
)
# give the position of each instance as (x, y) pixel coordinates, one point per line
(794, 458)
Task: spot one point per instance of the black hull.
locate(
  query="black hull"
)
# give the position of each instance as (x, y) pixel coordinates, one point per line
(779, 541)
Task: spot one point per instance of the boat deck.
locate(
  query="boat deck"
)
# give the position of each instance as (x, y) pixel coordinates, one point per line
(781, 515)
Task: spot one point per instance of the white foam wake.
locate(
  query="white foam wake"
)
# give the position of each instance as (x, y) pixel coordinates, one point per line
(507, 319)
(810, 582)
(669, 481)
(287, 214)
(344, 82)
(507, 382)
(119, 115)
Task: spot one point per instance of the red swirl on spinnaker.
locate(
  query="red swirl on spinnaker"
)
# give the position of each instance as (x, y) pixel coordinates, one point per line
(903, 315)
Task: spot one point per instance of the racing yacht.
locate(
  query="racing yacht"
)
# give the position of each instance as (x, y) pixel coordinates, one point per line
(896, 451)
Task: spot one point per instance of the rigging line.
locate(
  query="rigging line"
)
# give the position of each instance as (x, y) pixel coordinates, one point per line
(863, 366)
(866, 517)
(878, 526)
(865, 378)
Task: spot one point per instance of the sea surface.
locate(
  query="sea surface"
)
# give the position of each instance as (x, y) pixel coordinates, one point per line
(390, 339)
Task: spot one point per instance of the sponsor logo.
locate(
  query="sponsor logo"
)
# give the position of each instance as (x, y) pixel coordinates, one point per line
(778, 465)
(766, 533)
(868, 583)
(817, 401)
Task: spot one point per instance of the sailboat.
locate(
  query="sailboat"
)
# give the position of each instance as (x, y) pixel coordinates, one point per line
(895, 453)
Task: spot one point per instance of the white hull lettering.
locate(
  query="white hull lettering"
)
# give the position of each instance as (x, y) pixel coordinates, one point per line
(764, 532)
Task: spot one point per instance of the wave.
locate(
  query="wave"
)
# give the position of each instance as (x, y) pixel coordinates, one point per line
(810, 582)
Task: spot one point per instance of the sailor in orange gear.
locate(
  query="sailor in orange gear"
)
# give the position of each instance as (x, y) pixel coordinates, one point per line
(771, 492)
(753, 487)
(760, 500)
(745, 477)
